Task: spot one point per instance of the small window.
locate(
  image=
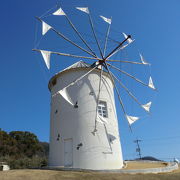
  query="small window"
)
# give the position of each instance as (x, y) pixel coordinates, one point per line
(102, 109)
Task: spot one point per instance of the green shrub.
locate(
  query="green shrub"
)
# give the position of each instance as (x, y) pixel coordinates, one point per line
(22, 150)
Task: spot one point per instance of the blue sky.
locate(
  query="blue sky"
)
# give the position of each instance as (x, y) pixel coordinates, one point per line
(25, 99)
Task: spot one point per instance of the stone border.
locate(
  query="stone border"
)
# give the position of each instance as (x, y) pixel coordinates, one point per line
(171, 166)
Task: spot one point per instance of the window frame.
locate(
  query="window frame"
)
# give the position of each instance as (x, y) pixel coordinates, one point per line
(102, 109)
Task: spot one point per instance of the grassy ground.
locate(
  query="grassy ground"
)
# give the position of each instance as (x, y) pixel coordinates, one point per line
(71, 175)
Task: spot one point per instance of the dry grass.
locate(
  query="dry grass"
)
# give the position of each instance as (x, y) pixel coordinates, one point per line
(144, 165)
(71, 175)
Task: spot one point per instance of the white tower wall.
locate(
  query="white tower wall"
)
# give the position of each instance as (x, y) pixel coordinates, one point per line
(72, 127)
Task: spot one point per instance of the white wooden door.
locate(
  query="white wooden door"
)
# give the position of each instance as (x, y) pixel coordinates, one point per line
(68, 152)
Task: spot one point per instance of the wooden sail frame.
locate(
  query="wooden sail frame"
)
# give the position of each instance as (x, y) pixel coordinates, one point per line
(103, 61)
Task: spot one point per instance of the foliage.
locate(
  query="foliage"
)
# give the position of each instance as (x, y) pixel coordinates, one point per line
(25, 162)
(45, 146)
(22, 150)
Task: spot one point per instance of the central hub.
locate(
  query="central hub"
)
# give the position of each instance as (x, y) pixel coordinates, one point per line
(101, 62)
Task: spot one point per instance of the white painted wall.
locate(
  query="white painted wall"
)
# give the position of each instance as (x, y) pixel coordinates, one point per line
(97, 152)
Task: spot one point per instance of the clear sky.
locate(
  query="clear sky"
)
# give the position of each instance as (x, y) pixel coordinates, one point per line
(24, 96)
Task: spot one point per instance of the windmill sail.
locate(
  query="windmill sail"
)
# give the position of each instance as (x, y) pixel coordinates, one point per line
(46, 56)
(129, 40)
(147, 106)
(83, 9)
(151, 85)
(66, 96)
(59, 12)
(106, 19)
(45, 28)
(131, 119)
(142, 59)
(122, 47)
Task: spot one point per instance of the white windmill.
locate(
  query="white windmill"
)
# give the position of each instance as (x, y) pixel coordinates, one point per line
(84, 125)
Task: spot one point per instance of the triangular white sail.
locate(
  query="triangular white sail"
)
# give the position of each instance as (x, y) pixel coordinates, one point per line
(46, 56)
(45, 28)
(59, 12)
(129, 39)
(122, 47)
(83, 9)
(147, 106)
(143, 60)
(131, 119)
(63, 92)
(106, 19)
(151, 85)
(101, 119)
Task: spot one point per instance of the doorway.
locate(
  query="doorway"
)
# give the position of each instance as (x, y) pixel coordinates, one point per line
(68, 152)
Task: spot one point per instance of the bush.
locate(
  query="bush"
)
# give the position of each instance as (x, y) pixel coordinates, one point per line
(22, 150)
(25, 163)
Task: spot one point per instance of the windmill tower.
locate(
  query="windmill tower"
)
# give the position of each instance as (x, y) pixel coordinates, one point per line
(80, 137)
(84, 127)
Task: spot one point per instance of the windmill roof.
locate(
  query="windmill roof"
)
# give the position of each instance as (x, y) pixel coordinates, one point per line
(78, 64)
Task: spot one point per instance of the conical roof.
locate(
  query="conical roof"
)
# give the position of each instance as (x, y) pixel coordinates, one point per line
(78, 64)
